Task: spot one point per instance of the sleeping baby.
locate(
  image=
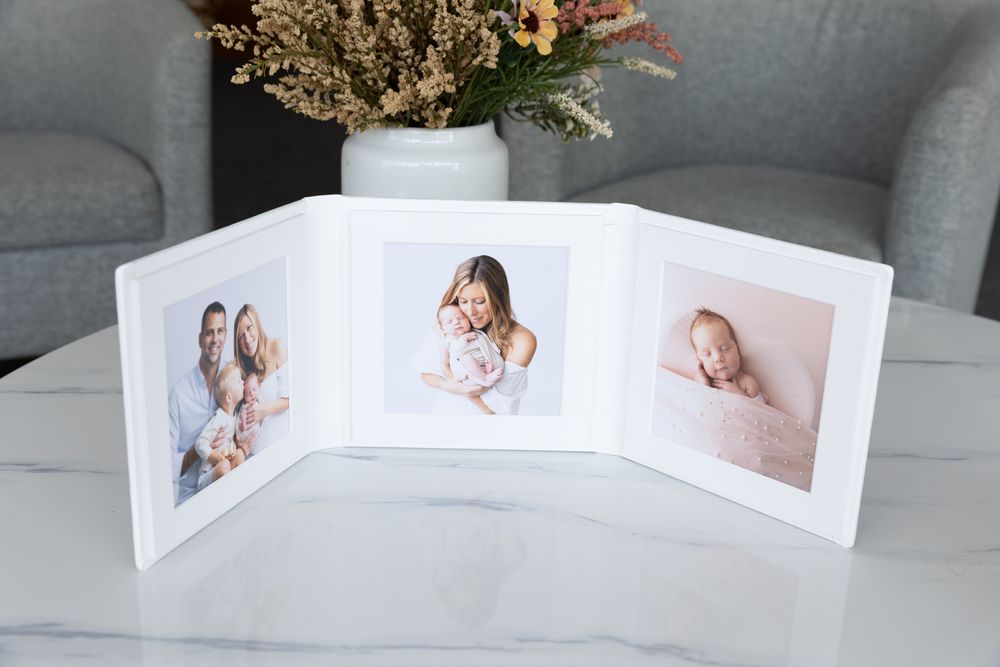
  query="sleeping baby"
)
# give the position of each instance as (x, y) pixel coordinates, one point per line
(472, 357)
(246, 434)
(714, 343)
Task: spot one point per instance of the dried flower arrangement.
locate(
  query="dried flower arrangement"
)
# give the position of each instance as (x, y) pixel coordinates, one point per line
(444, 63)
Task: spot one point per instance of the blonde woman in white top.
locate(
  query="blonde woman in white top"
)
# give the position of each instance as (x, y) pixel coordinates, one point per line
(480, 289)
(268, 358)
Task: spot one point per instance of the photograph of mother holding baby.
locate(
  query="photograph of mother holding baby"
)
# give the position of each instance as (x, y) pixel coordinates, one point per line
(476, 355)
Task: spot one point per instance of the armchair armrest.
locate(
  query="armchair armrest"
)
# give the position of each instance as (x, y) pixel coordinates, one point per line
(948, 172)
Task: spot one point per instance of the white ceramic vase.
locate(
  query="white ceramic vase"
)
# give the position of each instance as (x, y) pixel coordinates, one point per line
(420, 163)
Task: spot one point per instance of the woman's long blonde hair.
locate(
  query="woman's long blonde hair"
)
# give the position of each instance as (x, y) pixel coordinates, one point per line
(490, 276)
(258, 363)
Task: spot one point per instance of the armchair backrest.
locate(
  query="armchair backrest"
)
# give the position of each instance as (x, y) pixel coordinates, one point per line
(823, 85)
(89, 66)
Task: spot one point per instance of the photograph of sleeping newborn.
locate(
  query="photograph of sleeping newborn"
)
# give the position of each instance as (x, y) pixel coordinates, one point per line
(473, 359)
(740, 373)
(718, 356)
(474, 330)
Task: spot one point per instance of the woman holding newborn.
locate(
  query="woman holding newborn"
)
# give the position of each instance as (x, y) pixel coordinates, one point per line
(481, 292)
(266, 359)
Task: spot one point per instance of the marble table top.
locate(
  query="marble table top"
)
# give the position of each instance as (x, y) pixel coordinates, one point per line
(490, 558)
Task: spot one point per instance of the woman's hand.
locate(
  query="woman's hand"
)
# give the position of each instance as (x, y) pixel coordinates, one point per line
(467, 391)
(261, 411)
(253, 414)
(452, 387)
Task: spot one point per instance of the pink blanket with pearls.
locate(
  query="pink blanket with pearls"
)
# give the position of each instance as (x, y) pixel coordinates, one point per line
(734, 428)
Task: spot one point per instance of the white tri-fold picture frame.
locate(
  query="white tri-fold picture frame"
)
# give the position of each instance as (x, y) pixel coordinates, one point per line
(742, 365)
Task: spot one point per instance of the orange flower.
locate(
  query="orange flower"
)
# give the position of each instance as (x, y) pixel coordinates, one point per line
(535, 21)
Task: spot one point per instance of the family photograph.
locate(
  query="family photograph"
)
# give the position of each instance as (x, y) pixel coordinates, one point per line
(476, 331)
(228, 377)
(740, 373)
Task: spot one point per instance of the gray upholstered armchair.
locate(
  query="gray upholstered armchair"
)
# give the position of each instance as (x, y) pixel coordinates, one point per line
(870, 128)
(104, 155)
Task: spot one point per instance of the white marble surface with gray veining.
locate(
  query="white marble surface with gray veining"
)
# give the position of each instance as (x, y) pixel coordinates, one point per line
(383, 557)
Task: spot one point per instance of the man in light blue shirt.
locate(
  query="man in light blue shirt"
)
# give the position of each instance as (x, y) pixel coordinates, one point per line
(192, 402)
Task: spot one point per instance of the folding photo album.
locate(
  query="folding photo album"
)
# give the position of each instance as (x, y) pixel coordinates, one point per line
(742, 365)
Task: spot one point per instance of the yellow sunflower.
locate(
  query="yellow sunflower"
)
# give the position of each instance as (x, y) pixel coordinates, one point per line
(535, 21)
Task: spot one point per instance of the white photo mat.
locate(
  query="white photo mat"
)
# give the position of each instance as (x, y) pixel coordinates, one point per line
(371, 230)
(334, 250)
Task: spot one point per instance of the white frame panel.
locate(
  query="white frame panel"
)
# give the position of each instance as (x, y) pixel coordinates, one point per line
(579, 228)
(333, 249)
(859, 292)
(145, 288)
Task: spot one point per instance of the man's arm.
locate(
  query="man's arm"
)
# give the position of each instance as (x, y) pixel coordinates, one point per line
(174, 435)
(190, 457)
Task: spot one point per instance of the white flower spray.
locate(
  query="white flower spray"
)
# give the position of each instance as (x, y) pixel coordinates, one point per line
(648, 67)
(573, 109)
(602, 29)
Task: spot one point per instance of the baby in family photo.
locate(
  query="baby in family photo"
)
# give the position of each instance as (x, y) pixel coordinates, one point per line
(229, 390)
(718, 356)
(246, 433)
(470, 356)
